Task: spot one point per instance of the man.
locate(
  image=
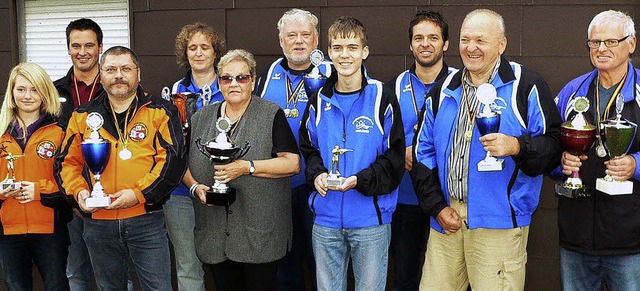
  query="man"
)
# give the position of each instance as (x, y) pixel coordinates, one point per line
(80, 85)
(428, 40)
(282, 83)
(362, 117)
(599, 238)
(146, 161)
(480, 218)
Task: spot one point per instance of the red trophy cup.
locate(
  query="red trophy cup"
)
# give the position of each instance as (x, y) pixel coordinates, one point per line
(577, 138)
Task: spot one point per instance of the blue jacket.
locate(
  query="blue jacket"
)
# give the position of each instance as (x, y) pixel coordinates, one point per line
(187, 85)
(411, 93)
(273, 86)
(373, 130)
(601, 224)
(502, 199)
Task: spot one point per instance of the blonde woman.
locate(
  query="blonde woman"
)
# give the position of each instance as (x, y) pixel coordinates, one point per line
(33, 213)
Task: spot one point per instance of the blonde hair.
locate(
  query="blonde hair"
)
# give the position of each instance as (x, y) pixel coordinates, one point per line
(297, 15)
(238, 55)
(43, 84)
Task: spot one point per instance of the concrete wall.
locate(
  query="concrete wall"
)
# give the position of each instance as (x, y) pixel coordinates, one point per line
(545, 35)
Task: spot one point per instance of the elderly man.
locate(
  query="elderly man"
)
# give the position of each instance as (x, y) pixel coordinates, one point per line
(599, 238)
(146, 161)
(479, 230)
(428, 40)
(282, 83)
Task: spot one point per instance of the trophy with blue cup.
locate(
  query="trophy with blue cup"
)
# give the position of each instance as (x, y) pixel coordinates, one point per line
(488, 121)
(96, 152)
(315, 79)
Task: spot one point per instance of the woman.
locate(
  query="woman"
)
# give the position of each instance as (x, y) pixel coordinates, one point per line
(198, 47)
(243, 244)
(33, 212)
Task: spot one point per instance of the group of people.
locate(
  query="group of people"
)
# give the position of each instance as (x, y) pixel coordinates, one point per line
(360, 172)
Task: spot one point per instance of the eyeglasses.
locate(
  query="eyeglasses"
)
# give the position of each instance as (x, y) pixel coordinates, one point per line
(594, 43)
(114, 70)
(241, 79)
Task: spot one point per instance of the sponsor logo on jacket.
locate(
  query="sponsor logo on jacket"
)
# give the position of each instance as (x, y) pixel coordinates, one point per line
(46, 149)
(138, 132)
(363, 124)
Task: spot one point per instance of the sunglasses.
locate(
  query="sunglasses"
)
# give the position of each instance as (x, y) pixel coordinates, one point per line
(241, 79)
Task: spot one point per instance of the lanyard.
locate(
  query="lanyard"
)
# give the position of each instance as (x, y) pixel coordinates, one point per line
(75, 83)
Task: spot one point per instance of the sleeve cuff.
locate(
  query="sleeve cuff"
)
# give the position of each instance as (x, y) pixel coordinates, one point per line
(139, 195)
(636, 172)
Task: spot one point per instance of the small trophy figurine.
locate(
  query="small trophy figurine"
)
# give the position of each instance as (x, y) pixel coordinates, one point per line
(10, 180)
(618, 136)
(577, 137)
(96, 152)
(488, 121)
(222, 151)
(314, 80)
(335, 179)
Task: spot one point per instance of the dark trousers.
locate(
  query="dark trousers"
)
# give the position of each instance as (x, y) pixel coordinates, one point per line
(235, 276)
(408, 237)
(18, 253)
(291, 267)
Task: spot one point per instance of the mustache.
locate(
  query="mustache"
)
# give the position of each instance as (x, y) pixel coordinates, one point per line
(120, 82)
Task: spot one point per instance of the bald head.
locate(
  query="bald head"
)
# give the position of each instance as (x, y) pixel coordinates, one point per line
(482, 42)
(489, 17)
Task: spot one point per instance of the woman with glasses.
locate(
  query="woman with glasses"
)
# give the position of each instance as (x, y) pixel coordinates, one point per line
(243, 241)
(33, 212)
(198, 48)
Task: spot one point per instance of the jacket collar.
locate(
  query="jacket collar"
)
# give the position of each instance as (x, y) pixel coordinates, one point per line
(444, 71)
(327, 89)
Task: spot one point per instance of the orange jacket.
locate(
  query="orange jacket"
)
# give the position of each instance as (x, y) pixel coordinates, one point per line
(156, 167)
(49, 206)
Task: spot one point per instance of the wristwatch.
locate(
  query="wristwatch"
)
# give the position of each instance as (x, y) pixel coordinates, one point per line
(252, 168)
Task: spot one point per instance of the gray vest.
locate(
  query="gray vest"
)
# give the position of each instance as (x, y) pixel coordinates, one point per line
(259, 226)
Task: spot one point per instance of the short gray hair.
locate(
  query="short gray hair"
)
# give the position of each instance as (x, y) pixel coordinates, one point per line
(297, 15)
(498, 17)
(238, 55)
(610, 16)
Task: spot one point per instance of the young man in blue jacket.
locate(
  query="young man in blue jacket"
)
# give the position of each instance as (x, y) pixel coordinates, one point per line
(481, 219)
(360, 118)
(599, 237)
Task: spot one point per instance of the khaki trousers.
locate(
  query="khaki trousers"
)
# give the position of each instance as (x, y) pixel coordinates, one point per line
(489, 259)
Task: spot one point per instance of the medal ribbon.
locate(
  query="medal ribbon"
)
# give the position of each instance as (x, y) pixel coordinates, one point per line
(124, 138)
(292, 94)
(472, 115)
(75, 83)
(605, 114)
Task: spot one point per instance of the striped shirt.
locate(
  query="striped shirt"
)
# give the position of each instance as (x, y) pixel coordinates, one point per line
(458, 176)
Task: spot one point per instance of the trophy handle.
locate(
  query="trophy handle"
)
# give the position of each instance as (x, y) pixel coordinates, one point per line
(244, 150)
(200, 147)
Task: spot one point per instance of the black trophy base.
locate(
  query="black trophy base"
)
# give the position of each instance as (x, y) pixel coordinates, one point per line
(571, 192)
(221, 199)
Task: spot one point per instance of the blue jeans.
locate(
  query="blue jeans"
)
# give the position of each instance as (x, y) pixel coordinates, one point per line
(143, 238)
(78, 262)
(408, 237)
(369, 251)
(180, 219)
(47, 251)
(583, 272)
(291, 267)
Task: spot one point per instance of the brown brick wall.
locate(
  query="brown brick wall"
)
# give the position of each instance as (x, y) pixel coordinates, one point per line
(545, 35)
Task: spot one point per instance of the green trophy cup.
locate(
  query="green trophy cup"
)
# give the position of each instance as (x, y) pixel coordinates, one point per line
(618, 136)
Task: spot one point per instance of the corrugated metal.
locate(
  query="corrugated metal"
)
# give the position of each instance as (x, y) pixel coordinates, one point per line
(44, 23)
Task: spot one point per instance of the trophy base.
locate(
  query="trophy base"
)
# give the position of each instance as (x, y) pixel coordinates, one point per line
(571, 191)
(490, 166)
(334, 180)
(614, 187)
(97, 202)
(221, 198)
(10, 184)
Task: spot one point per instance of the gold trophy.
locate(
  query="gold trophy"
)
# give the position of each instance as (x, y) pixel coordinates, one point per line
(10, 180)
(335, 179)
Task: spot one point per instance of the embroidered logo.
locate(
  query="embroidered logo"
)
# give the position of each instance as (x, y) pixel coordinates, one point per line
(407, 88)
(363, 124)
(138, 132)
(302, 96)
(327, 106)
(46, 149)
(276, 76)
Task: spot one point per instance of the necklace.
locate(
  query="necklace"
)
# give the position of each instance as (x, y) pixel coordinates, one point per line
(234, 123)
(75, 83)
(125, 153)
(600, 150)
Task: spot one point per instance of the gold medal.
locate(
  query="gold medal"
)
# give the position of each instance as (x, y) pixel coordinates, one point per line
(125, 154)
(467, 135)
(294, 113)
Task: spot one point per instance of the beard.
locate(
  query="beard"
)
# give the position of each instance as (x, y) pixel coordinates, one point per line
(297, 59)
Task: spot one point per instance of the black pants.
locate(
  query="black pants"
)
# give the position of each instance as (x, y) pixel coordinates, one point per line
(235, 276)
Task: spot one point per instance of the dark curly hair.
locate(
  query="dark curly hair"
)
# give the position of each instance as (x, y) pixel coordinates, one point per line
(185, 34)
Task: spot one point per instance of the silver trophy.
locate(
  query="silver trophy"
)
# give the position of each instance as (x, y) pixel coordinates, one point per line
(96, 152)
(314, 80)
(488, 120)
(618, 137)
(10, 180)
(222, 151)
(335, 179)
